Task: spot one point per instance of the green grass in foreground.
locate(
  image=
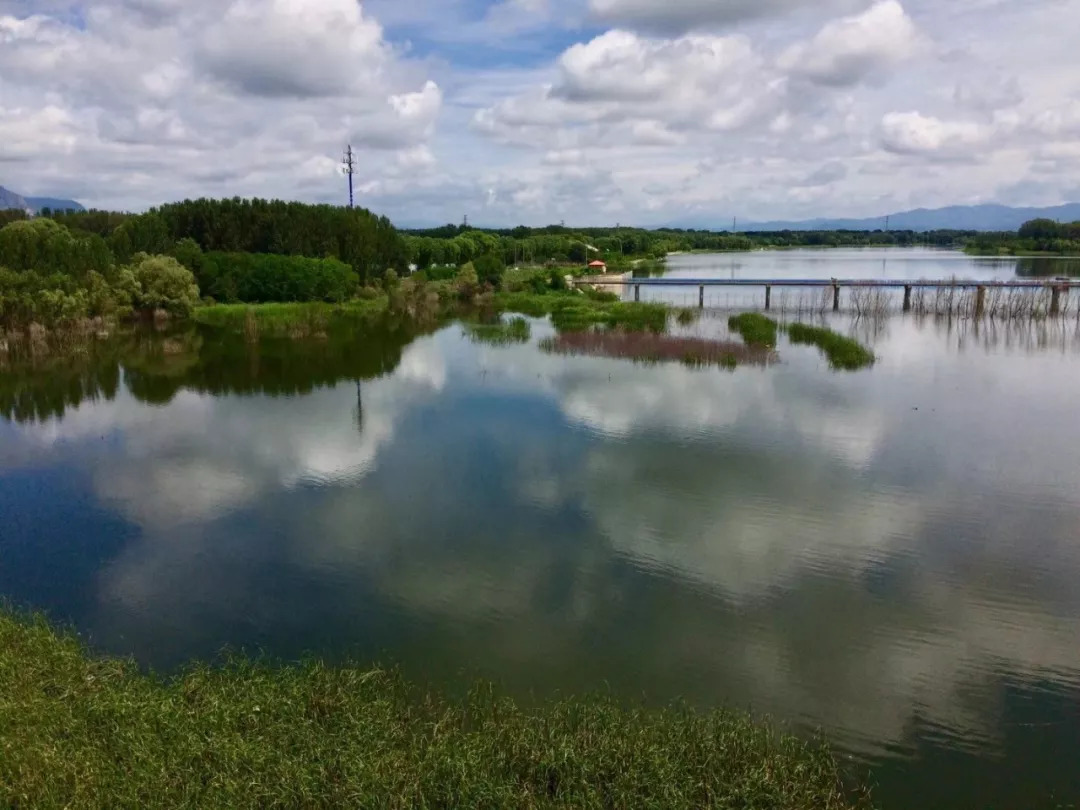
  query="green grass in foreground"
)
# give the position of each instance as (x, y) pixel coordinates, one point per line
(82, 732)
(755, 328)
(843, 352)
(502, 333)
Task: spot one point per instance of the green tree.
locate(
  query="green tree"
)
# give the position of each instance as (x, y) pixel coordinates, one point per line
(48, 247)
(160, 282)
(490, 268)
(1041, 229)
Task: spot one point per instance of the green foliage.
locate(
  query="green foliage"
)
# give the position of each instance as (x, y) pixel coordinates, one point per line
(501, 333)
(390, 281)
(578, 312)
(687, 317)
(467, 282)
(601, 296)
(755, 328)
(367, 243)
(289, 319)
(264, 277)
(490, 268)
(44, 246)
(142, 234)
(1036, 236)
(621, 247)
(95, 221)
(189, 254)
(843, 353)
(159, 283)
(9, 215)
(81, 732)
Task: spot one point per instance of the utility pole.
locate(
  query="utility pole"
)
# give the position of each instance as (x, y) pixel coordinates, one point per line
(348, 166)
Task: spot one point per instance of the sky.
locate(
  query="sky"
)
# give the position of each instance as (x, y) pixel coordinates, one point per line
(592, 112)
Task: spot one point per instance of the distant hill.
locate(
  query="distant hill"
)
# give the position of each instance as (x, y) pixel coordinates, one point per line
(54, 204)
(957, 217)
(9, 199)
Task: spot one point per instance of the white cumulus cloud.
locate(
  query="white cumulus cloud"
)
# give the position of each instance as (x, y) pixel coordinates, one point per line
(848, 50)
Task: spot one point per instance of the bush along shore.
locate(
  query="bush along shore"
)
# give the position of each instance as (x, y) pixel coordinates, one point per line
(78, 731)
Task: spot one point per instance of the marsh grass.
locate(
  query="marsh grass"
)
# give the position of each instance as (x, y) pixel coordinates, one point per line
(687, 316)
(298, 321)
(84, 732)
(648, 347)
(842, 352)
(501, 333)
(999, 303)
(755, 329)
(573, 311)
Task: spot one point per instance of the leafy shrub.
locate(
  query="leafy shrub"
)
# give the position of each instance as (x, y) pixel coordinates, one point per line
(159, 282)
(266, 277)
(490, 268)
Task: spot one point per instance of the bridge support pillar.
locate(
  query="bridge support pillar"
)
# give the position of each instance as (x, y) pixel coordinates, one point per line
(701, 297)
(768, 297)
(907, 298)
(1055, 301)
(980, 301)
(637, 292)
(836, 298)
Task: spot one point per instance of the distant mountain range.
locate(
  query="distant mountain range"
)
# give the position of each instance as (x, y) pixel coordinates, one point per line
(956, 217)
(9, 199)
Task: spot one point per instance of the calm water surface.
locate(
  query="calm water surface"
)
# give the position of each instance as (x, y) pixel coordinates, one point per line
(912, 264)
(891, 556)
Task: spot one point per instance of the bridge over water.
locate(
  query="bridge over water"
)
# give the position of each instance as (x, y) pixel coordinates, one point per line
(1057, 286)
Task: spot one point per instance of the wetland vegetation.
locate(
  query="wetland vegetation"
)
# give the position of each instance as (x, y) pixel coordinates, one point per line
(80, 731)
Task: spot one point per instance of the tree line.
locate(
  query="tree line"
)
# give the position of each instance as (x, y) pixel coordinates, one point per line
(50, 276)
(1034, 236)
(368, 243)
(556, 244)
(64, 266)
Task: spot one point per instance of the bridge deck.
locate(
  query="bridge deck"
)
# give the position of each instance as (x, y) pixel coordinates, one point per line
(1029, 284)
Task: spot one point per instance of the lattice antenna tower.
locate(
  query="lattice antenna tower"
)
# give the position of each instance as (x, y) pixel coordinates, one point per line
(348, 168)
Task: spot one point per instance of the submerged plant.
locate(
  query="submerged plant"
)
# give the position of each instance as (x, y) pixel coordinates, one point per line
(503, 333)
(649, 347)
(842, 352)
(755, 328)
(687, 316)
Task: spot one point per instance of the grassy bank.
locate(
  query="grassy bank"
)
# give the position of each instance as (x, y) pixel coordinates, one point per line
(77, 731)
(287, 320)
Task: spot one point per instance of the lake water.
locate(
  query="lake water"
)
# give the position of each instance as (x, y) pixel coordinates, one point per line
(891, 556)
(910, 264)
